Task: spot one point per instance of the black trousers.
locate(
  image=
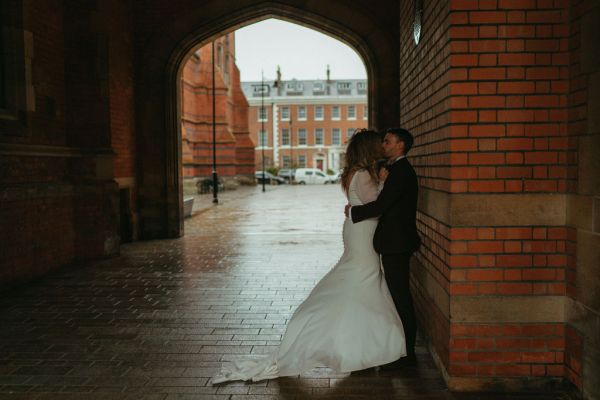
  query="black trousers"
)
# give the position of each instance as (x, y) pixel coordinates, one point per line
(397, 277)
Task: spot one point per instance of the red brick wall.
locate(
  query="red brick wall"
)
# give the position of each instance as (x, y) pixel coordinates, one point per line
(507, 350)
(424, 103)
(30, 217)
(35, 202)
(508, 261)
(233, 143)
(486, 93)
(509, 61)
(238, 110)
(121, 91)
(55, 209)
(578, 116)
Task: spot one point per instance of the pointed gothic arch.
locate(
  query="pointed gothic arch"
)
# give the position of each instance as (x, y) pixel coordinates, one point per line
(160, 199)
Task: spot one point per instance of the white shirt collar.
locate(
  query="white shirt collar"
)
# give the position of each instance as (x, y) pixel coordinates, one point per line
(399, 158)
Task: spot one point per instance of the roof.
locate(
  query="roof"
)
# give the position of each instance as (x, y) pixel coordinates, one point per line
(302, 89)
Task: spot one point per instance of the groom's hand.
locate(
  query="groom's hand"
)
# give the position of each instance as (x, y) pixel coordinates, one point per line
(347, 210)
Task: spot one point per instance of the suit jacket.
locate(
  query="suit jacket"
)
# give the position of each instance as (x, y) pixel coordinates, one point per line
(396, 208)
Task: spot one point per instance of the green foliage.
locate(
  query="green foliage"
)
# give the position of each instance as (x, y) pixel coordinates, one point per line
(273, 170)
(330, 172)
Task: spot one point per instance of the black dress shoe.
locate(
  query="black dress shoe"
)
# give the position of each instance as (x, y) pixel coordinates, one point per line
(404, 362)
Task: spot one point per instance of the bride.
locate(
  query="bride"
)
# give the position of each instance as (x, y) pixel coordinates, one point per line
(348, 322)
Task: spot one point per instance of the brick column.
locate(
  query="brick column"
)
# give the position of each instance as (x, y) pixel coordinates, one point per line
(582, 356)
(88, 77)
(486, 94)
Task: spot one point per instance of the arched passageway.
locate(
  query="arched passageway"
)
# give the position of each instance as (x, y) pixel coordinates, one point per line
(285, 96)
(157, 90)
(503, 99)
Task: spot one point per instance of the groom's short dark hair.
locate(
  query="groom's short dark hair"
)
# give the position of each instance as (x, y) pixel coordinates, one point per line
(403, 135)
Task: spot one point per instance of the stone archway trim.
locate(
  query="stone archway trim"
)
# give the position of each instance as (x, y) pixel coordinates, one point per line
(203, 34)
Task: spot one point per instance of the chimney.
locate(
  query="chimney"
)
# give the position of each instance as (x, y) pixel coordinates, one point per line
(328, 80)
(277, 83)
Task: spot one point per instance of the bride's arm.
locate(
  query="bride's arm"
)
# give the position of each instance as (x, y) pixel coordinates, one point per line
(366, 189)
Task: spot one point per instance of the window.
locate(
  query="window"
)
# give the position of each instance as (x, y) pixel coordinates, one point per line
(219, 55)
(262, 114)
(302, 113)
(15, 67)
(318, 87)
(362, 86)
(319, 136)
(351, 112)
(285, 113)
(344, 85)
(335, 112)
(365, 112)
(335, 136)
(286, 161)
(318, 113)
(258, 90)
(349, 133)
(302, 137)
(262, 138)
(302, 161)
(285, 137)
(294, 86)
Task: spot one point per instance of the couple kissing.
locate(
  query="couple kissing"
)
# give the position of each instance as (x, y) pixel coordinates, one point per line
(360, 315)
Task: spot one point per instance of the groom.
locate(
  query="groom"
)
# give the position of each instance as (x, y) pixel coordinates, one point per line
(396, 237)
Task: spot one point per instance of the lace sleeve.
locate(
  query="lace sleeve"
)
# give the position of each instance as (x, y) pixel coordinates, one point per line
(366, 189)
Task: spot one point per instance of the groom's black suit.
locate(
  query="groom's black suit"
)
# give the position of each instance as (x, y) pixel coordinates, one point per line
(396, 238)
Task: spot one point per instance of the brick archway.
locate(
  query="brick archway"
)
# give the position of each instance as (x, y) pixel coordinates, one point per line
(502, 97)
(157, 89)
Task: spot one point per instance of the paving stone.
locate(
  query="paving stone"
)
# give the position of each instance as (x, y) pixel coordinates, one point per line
(157, 321)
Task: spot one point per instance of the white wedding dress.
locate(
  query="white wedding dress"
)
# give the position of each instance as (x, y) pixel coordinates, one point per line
(347, 323)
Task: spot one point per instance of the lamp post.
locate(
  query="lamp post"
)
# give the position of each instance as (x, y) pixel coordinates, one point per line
(262, 128)
(291, 148)
(214, 132)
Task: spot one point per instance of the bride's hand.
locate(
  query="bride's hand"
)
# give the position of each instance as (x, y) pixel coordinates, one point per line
(383, 173)
(346, 212)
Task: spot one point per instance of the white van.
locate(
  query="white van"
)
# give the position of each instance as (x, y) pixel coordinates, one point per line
(309, 176)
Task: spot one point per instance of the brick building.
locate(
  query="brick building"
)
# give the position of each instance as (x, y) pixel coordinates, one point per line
(235, 150)
(306, 123)
(503, 97)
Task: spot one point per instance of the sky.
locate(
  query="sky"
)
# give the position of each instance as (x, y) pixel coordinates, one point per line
(301, 52)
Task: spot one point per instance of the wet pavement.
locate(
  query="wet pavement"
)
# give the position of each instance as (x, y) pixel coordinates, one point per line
(156, 322)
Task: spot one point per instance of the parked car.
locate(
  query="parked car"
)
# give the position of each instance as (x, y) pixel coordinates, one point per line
(268, 178)
(287, 174)
(335, 178)
(310, 176)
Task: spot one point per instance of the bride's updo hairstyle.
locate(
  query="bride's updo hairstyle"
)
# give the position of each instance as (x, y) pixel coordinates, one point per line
(363, 151)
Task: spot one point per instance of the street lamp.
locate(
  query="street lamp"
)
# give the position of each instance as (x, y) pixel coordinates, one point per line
(262, 129)
(291, 148)
(214, 132)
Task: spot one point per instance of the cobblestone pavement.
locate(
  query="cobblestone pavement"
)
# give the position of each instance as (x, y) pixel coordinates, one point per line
(156, 322)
